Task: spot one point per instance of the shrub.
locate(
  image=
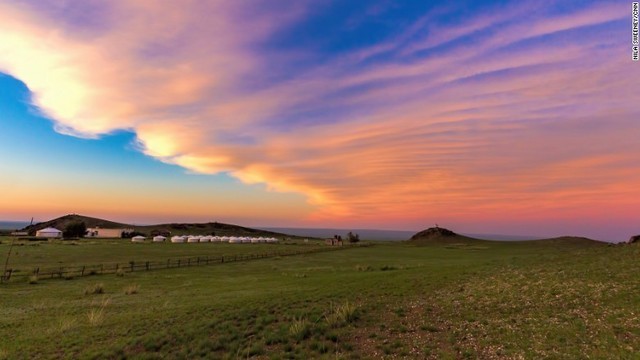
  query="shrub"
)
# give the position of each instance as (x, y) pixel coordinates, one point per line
(364, 268)
(300, 329)
(97, 288)
(342, 314)
(319, 346)
(75, 230)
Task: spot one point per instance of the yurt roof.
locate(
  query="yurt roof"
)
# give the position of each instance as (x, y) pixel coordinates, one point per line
(50, 229)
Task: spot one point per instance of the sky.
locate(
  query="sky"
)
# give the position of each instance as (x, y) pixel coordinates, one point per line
(504, 117)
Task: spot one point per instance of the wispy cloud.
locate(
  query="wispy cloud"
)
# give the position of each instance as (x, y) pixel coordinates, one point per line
(512, 110)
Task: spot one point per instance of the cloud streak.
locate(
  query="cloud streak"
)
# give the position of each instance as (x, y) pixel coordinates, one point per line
(495, 112)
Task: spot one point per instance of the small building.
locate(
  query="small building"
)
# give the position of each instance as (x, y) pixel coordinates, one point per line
(49, 233)
(138, 239)
(98, 232)
(193, 238)
(177, 239)
(159, 238)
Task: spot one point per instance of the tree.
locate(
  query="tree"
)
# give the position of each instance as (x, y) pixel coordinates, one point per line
(132, 234)
(353, 238)
(75, 230)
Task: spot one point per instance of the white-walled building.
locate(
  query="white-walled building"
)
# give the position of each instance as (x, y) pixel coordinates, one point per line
(107, 233)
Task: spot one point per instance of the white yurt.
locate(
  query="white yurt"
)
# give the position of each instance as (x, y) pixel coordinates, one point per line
(246, 240)
(205, 238)
(138, 239)
(255, 240)
(177, 239)
(224, 239)
(193, 239)
(159, 238)
(215, 239)
(49, 233)
(234, 240)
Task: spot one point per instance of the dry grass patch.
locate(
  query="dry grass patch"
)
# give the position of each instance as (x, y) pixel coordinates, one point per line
(96, 314)
(132, 289)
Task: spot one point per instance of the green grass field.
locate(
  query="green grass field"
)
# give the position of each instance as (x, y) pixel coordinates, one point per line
(442, 301)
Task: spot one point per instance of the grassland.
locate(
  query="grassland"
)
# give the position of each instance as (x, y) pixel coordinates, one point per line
(486, 300)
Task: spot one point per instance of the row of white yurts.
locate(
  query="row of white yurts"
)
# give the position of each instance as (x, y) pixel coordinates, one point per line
(208, 238)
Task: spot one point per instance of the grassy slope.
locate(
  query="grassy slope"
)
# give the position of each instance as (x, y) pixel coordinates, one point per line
(27, 255)
(498, 300)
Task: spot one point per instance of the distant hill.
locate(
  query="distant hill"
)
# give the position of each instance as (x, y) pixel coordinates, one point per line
(13, 225)
(502, 237)
(568, 240)
(389, 235)
(209, 228)
(437, 235)
(365, 234)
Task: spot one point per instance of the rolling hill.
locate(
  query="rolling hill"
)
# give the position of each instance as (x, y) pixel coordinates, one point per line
(209, 228)
(438, 235)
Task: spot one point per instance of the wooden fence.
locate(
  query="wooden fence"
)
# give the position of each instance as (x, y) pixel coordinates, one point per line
(70, 272)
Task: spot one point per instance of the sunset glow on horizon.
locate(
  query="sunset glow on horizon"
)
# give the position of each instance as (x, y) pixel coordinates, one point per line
(518, 118)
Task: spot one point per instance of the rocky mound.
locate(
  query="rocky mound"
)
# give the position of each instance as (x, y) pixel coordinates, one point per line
(438, 235)
(634, 239)
(434, 232)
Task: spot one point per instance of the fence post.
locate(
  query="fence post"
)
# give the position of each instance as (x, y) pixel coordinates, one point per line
(147, 264)
(168, 263)
(60, 273)
(132, 263)
(82, 273)
(188, 262)
(178, 262)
